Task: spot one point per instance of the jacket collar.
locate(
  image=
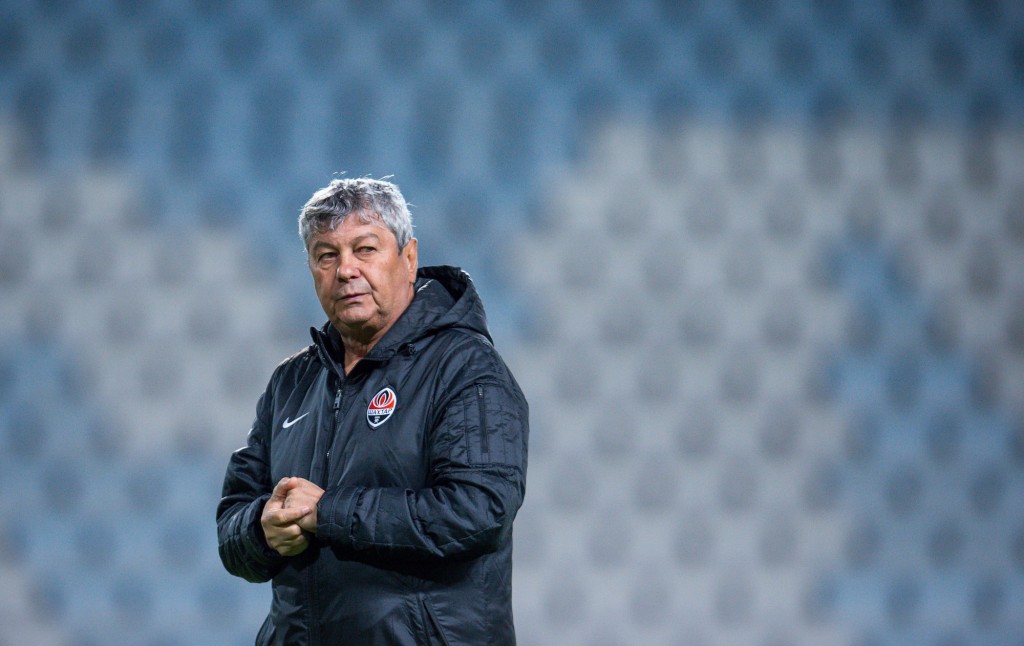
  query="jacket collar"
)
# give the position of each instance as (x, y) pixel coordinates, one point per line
(445, 298)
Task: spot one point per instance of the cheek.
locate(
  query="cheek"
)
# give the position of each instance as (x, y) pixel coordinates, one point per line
(321, 283)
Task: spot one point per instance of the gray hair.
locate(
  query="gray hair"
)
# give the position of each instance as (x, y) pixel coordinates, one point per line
(371, 200)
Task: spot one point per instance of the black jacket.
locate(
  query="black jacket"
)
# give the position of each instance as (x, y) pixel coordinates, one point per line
(414, 544)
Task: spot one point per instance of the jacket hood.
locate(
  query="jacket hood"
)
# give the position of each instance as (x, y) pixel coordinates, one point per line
(445, 298)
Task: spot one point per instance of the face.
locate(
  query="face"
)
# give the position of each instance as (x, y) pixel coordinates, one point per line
(363, 281)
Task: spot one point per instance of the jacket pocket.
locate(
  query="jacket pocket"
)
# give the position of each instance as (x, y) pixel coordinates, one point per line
(435, 634)
(481, 402)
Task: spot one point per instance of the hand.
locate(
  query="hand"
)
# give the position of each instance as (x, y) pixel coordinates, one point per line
(280, 524)
(304, 494)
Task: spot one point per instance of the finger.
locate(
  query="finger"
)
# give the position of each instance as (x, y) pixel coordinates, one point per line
(285, 535)
(303, 492)
(293, 549)
(308, 522)
(299, 499)
(277, 496)
(276, 533)
(287, 516)
(281, 489)
(301, 484)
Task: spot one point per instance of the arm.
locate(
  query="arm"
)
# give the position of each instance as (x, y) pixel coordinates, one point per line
(478, 465)
(242, 543)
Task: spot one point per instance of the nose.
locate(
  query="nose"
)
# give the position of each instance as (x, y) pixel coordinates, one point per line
(347, 268)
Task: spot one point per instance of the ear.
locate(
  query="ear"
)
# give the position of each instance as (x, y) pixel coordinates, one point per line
(409, 253)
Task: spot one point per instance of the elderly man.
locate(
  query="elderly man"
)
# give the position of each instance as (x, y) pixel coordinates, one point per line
(387, 460)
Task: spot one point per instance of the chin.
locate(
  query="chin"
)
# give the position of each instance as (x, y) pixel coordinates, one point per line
(356, 322)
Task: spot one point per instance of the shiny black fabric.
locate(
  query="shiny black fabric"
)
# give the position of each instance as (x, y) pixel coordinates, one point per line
(414, 544)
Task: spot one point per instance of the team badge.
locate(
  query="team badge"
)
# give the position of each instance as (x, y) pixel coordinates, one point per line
(381, 407)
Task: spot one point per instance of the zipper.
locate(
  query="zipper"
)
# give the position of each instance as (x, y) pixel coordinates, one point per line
(334, 431)
(430, 623)
(315, 572)
(485, 447)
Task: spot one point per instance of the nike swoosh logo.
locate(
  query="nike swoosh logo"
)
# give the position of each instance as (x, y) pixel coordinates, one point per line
(288, 423)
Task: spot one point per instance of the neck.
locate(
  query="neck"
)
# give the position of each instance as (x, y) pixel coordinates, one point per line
(354, 352)
(358, 341)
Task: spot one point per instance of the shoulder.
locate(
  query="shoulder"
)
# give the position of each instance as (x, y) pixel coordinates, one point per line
(460, 345)
(291, 370)
(466, 357)
(298, 360)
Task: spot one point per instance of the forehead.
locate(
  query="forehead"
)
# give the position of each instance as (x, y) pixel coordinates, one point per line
(353, 228)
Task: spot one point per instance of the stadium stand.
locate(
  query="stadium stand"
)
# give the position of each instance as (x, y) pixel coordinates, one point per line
(757, 265)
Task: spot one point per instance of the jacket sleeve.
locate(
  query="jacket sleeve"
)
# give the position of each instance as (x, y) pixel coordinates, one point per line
(242, 545)
(477, 452)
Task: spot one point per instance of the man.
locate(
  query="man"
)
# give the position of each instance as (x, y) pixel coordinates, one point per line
(387, 461)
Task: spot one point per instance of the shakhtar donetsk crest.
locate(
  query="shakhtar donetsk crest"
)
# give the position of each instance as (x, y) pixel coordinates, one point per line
(381, 407)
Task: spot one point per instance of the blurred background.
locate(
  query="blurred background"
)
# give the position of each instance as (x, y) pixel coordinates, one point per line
(758, 265)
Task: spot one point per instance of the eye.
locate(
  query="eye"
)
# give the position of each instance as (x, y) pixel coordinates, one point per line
(365, 249)
(326, 257)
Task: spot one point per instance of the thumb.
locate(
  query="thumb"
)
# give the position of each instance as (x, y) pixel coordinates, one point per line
(281, 491)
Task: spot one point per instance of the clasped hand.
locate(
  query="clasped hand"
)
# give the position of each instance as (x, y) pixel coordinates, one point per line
(289, 517)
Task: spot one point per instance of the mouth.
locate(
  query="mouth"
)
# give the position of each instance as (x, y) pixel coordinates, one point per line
(348, 298)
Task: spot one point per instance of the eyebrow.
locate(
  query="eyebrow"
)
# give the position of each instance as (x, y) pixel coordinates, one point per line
(366, 236)
(320, 244)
